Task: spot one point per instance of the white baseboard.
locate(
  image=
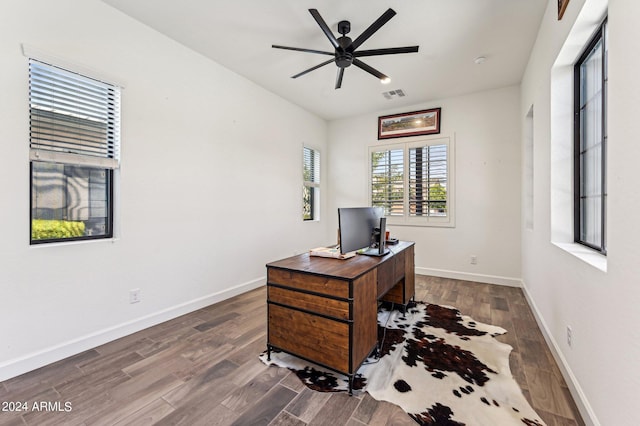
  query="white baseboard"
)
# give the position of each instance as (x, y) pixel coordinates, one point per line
(18, 366)
(466, 276)
(587, 413)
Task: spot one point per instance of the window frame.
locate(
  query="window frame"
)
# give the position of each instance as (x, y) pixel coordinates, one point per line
(107, 160)
(406, 219)
(109, 232)
(600, 36)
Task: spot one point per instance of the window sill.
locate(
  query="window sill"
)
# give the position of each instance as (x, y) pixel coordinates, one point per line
(437, 223)
(585, 254)
(72, 243)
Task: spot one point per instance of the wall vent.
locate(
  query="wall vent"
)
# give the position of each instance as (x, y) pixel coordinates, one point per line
(392, 94)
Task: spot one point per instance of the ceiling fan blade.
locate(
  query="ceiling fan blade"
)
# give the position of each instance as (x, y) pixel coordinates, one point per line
(390, 13)
(300, 49)
(313, 68)
(339, 78)
(324, 27)
(358, 63)
(389, 51)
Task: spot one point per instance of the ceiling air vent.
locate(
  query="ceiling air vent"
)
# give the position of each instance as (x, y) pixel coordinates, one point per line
(392, 94)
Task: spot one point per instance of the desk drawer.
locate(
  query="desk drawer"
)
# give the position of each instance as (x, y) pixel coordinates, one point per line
(322, 305)
(308, 282)
(310, 336)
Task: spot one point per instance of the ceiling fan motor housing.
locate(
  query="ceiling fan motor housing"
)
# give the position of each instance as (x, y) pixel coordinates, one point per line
(344, 52)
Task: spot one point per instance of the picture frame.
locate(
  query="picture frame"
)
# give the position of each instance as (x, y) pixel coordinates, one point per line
(414, 123)
(562, 6)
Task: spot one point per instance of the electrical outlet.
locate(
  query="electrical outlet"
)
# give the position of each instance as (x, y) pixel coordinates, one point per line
(134, 295)
(474, 259)
(569, 335)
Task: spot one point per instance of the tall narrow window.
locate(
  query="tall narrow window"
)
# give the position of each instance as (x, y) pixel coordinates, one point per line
(74, 149)
(311, 183)
(528, 170)
(411, 182)
(590, 132)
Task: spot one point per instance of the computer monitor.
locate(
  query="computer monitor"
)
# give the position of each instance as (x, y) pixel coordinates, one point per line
(357, 229)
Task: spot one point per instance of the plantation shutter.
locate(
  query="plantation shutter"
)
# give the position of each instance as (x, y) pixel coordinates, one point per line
(73, 119)
(428, 181)
(387, 181)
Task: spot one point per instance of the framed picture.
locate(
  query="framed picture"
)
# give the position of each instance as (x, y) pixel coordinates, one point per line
(562, 6)
(426, 122)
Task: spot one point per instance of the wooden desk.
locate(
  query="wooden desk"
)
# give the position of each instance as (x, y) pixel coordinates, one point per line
(325, 310)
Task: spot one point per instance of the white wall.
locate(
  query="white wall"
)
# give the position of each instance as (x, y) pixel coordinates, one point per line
(598, 299)
(202, 151)
(486, 129)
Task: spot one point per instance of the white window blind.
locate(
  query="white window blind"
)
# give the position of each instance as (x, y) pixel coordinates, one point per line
(413, 181)
(311, 160)
(73, 119)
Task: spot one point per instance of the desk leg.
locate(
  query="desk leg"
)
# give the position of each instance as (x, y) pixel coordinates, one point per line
(350, 384)
(268, 352)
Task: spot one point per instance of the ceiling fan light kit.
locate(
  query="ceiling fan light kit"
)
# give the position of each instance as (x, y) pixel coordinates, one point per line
(345, 51)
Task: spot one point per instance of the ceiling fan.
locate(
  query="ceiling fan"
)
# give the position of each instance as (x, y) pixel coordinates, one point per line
(346, 53)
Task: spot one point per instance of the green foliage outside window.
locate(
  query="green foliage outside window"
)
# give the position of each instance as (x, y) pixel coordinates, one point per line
(307, 201)
(42, 229)
(438, 196)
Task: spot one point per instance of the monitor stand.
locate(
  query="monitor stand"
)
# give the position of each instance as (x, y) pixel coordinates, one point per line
(378, 247)
(374, 251)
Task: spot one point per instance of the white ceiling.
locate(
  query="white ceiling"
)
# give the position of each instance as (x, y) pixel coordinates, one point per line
(451, 34)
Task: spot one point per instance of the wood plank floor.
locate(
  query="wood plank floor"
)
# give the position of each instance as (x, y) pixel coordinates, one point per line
(203, 369)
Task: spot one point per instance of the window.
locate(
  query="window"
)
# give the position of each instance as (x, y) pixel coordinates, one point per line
(74, 150)
(311, 183)
(590, 142)
(411, 182)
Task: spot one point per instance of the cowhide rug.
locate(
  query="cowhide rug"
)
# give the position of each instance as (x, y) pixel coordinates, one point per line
(441, 367)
